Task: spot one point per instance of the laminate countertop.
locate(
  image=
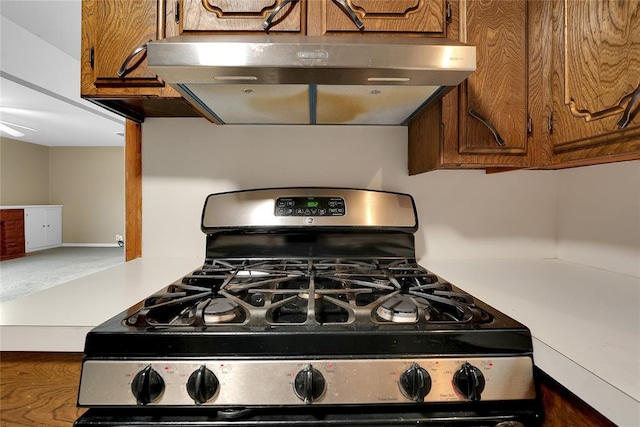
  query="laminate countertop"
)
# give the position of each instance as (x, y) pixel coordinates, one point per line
(585, 322)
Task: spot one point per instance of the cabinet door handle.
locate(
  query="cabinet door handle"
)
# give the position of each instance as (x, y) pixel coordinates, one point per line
(269, 21)
(349, 11)
(91, 57)
(626, 115)
(123, 71)
(473, 113)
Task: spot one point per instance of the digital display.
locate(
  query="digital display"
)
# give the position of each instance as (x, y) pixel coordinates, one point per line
(310, 206)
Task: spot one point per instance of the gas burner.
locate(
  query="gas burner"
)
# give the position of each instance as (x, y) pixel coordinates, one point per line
(221, 310)
(401, 309)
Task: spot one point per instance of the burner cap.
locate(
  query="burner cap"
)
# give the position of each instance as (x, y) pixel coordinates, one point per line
(220, 310)
(399, 309)
(306, 295)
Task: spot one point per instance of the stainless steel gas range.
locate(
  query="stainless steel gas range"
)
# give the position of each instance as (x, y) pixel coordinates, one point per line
(310, 309)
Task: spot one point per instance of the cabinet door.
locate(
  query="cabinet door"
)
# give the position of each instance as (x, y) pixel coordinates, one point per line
(119, 28)
(53, 226)
(111, 32)
(485, 121)
(35, 222)
(398, 16)
(595, 71)
(493, 105)
(245, 15)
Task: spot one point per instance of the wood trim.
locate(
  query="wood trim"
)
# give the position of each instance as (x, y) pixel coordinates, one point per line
(133, 190)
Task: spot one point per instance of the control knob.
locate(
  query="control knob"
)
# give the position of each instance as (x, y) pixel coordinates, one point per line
(415, 383)
(469, 381)
(309, 384)
(202, 385)
(147, 386)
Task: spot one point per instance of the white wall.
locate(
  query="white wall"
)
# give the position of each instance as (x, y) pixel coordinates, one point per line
(599, 216)
(463, 214)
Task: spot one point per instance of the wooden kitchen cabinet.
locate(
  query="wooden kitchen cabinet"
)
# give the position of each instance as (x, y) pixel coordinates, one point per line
(487, 120)
(315, 17)
(114, 34)
(553, 79)
(245, 16)
(398, 17)
(594, 76)
(11, 233)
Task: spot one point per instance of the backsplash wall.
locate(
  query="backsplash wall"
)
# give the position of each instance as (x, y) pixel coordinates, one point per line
(462, 214)
(599, 216)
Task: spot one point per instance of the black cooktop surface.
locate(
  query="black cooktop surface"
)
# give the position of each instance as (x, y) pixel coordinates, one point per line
(306, 306)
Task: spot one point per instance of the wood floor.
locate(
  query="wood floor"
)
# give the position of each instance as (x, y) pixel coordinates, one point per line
(39, 389)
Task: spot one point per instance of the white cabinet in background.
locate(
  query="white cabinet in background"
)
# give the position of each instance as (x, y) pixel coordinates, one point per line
(42, 227)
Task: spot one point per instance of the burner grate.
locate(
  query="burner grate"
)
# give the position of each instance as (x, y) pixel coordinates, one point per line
(308, 292)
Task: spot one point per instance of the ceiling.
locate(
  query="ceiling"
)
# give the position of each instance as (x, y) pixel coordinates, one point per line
(40, 78)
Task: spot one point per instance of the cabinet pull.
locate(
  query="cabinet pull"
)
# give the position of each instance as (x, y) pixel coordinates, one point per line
(626, 115)
(349, 11)
(123, 71)
(473, 113)
(177, 12)
(91, 57)
(269, 21)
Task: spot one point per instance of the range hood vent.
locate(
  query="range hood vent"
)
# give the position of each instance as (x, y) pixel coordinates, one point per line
(310, 80)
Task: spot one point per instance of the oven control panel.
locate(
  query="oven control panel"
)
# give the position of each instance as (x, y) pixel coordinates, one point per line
(310, 206)
(304, 382)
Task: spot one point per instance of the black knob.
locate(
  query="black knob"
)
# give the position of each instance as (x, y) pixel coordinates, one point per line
(147, 386)
(202, 385)
(309, 384)
(415, 383)
(469, 381)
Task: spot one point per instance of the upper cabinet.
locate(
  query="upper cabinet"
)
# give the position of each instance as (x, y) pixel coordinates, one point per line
(595, 82)
(315, 17)
(426, 17)
(557, 82)
(487, 121)
(557, 85)
(116, 54)
(113, 58)
(274, 16)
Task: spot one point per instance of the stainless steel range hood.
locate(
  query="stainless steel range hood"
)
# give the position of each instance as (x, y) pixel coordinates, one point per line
(310, 80)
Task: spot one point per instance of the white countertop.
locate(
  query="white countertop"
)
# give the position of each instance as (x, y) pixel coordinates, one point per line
(585, 322)
(58, 318)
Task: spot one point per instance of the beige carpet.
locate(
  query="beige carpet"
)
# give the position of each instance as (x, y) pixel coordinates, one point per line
(44, 269)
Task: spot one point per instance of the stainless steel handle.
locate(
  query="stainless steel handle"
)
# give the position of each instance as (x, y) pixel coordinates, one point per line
(269, 21)
(349, 11)
(626, 115)
(496, 135)
(123, 71)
